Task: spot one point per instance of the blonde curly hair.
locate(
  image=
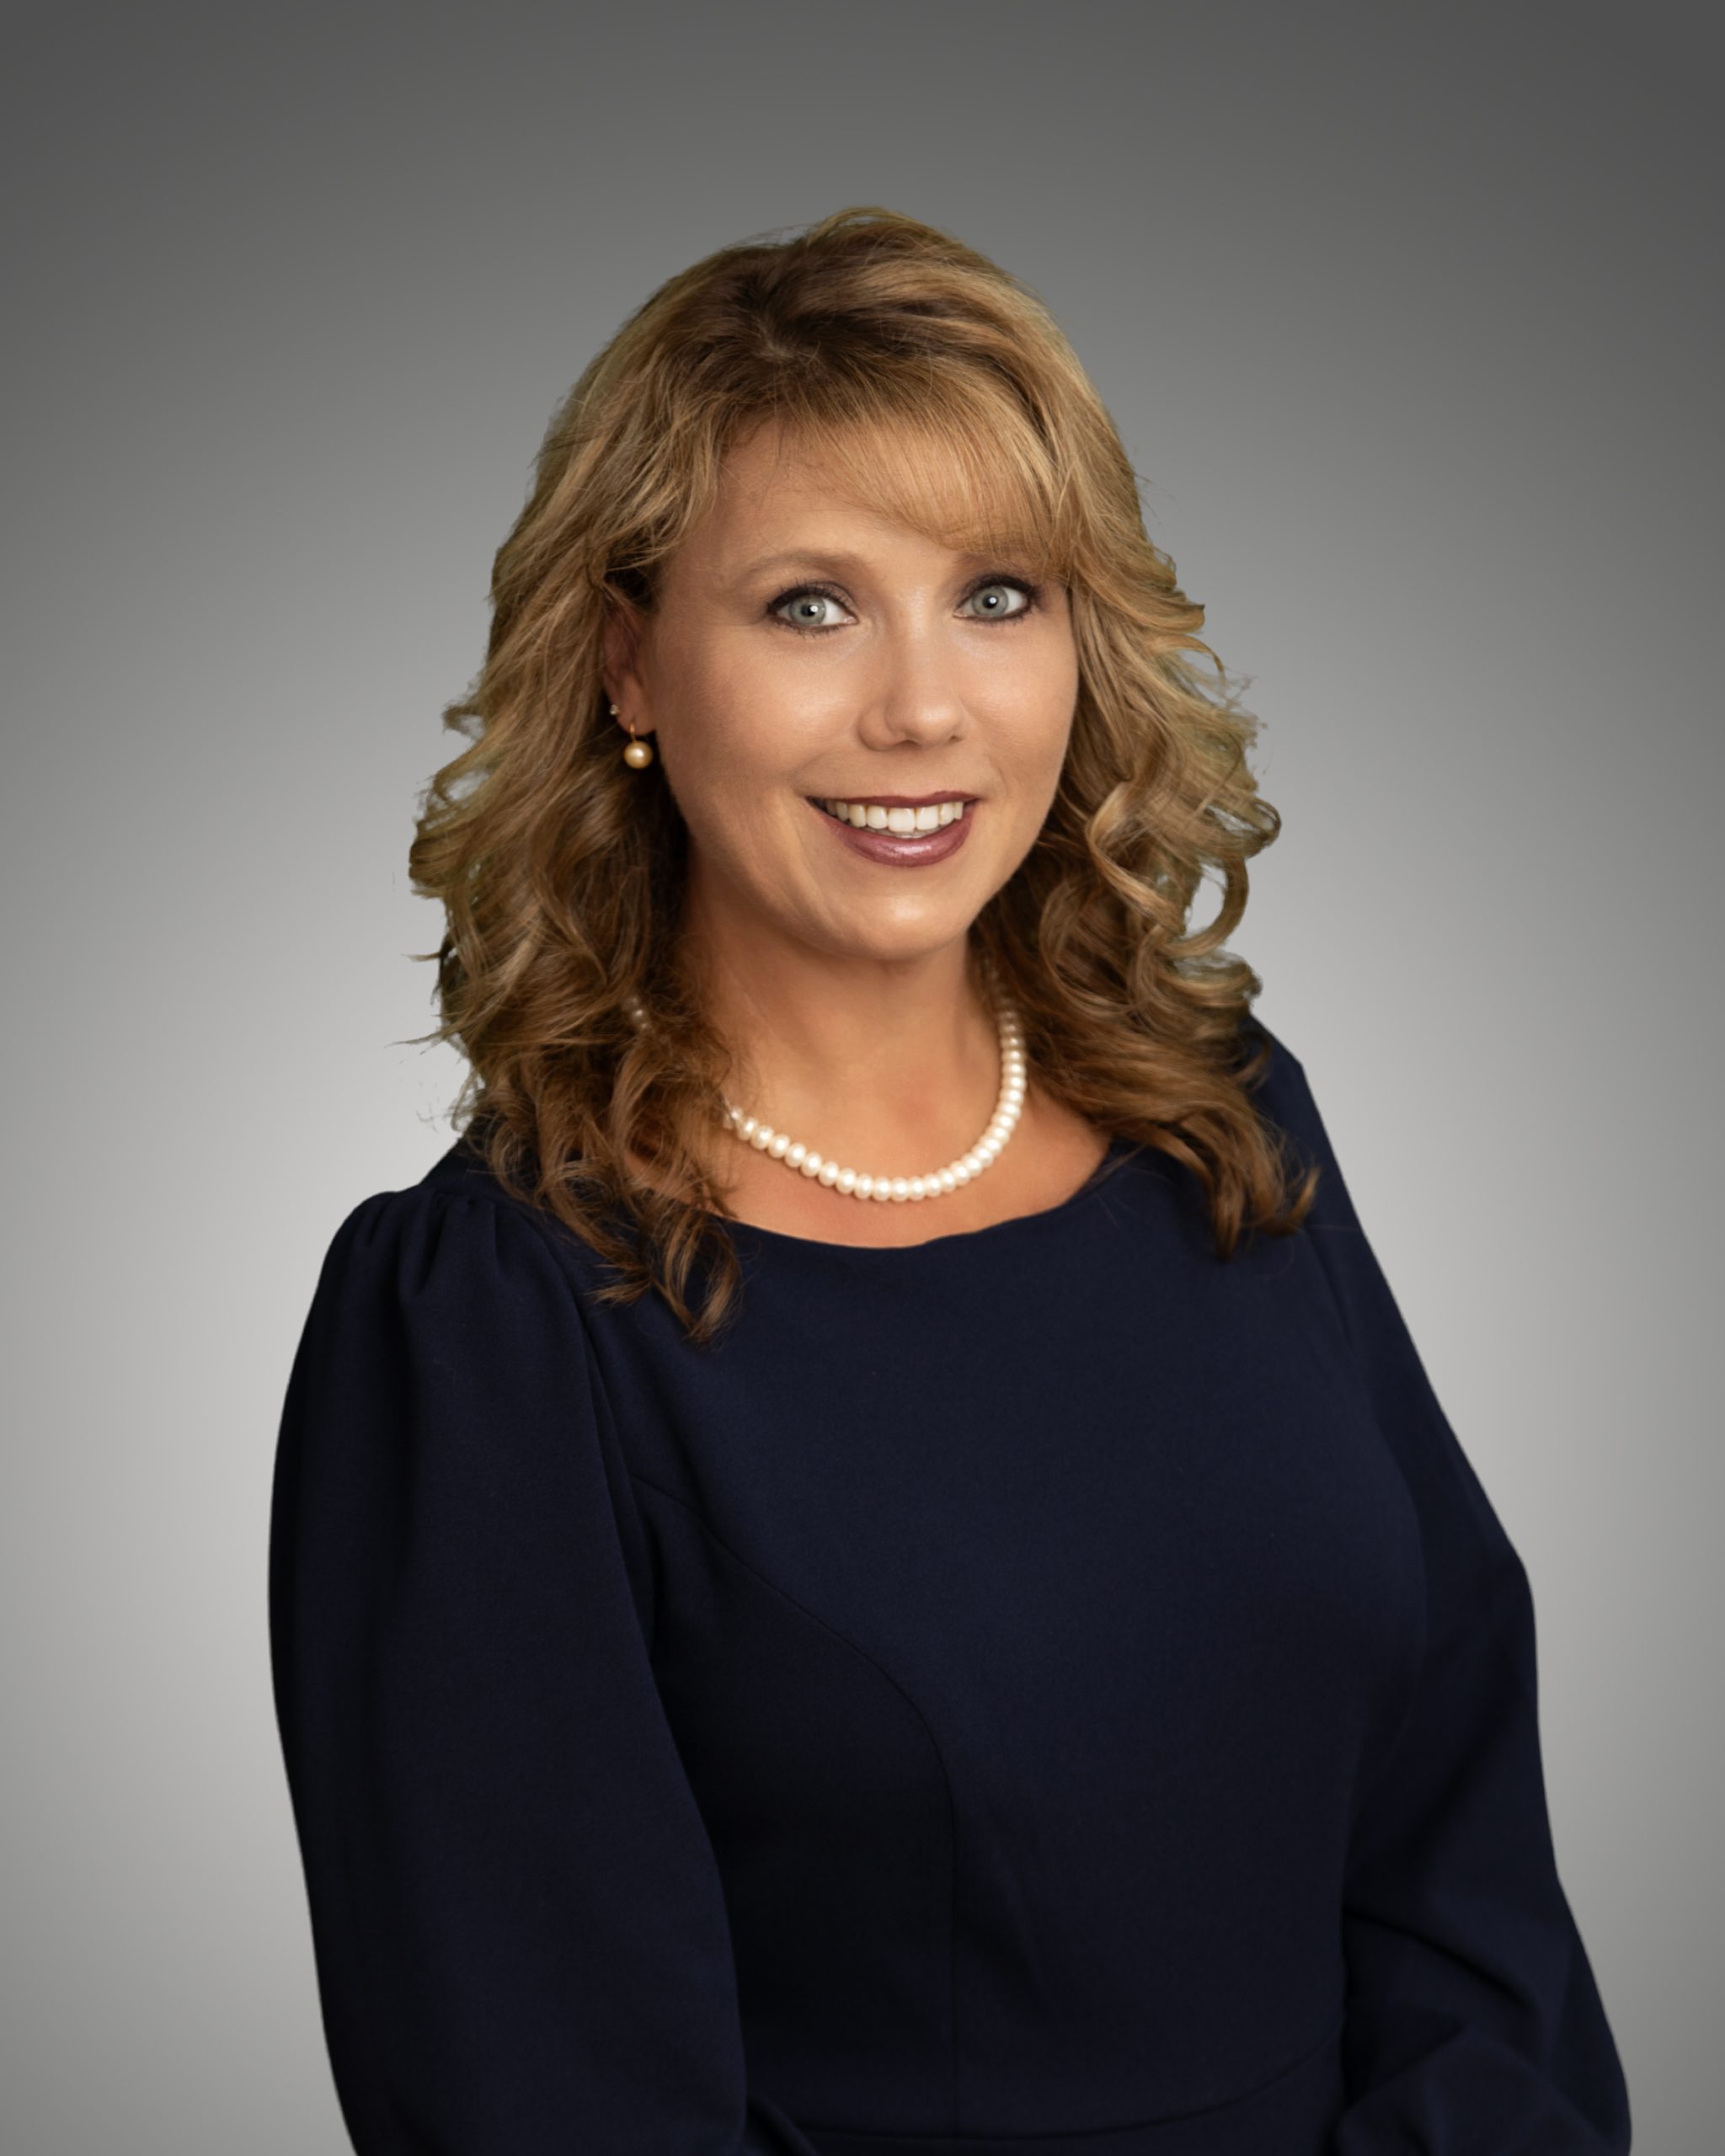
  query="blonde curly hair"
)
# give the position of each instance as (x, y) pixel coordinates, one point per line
(957, 408)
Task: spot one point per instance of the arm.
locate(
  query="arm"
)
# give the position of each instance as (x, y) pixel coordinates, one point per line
(1474, 2023)
(520, 1937)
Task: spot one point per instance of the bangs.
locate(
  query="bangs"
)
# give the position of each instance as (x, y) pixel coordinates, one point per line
(959, 461)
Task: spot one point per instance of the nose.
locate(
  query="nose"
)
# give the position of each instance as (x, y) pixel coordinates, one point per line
(915, 687)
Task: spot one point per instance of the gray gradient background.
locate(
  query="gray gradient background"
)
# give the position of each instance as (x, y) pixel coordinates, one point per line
(1409, 319)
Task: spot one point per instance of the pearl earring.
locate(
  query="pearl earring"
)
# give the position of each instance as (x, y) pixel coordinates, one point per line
(638, 754)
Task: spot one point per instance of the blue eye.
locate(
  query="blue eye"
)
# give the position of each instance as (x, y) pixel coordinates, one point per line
(807, 599)
(998, 612)
(807, 596)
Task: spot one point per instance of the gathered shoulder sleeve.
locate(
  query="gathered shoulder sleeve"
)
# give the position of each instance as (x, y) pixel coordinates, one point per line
(519, 1933)
(1474, 2023)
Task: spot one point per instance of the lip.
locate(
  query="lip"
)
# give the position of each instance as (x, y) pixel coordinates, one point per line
(895, 849)
(894, 800)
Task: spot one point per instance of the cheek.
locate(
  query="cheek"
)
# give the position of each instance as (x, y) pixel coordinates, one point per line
(718, 733)
(1034, 709)
(732, 749)
(742, 732)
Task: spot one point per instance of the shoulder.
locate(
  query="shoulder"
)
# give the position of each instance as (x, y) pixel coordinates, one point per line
(456, 1246)
(1276, 1081)
(1281, 1092)
(447, 1351)
(460, 1192)
(463, 1171)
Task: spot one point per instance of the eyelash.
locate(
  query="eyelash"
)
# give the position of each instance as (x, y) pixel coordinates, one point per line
(1033, 593)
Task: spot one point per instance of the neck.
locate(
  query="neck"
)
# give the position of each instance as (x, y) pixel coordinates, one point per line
(859, 1056)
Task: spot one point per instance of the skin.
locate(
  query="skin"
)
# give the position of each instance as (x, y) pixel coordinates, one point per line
(841, 982)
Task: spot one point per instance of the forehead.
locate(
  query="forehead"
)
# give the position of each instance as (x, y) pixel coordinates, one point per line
(778, 487)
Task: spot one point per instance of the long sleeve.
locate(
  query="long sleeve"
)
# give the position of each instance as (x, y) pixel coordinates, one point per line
(520, 1937)
(1474, 2024)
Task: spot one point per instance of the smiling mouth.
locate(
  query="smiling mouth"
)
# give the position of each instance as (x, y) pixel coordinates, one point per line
(891, 846)
(900, 820)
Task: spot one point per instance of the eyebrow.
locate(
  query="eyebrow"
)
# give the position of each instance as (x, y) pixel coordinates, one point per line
(811, 558)
(802, 556)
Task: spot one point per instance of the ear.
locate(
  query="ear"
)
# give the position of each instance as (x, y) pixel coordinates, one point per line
(623, 680)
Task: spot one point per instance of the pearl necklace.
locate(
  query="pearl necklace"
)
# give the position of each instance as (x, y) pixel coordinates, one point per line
(896, 1189)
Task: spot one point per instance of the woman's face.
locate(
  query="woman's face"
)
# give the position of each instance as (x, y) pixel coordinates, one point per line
(802, 651)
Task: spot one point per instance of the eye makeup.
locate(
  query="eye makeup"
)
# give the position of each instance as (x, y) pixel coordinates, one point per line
(1032, 594)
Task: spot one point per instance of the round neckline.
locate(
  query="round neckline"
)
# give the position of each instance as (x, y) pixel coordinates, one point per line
(959, 1238)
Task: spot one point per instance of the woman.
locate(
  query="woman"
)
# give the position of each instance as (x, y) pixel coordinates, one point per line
(866, 1564)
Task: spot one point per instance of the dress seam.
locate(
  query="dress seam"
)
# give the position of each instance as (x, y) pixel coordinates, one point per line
(845, 1640)
(1121, 2125)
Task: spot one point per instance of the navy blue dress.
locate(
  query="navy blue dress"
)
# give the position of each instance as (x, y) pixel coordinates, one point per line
(1043, 1691)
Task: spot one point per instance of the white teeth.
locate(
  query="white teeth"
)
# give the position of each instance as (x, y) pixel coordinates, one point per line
(865, 815)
